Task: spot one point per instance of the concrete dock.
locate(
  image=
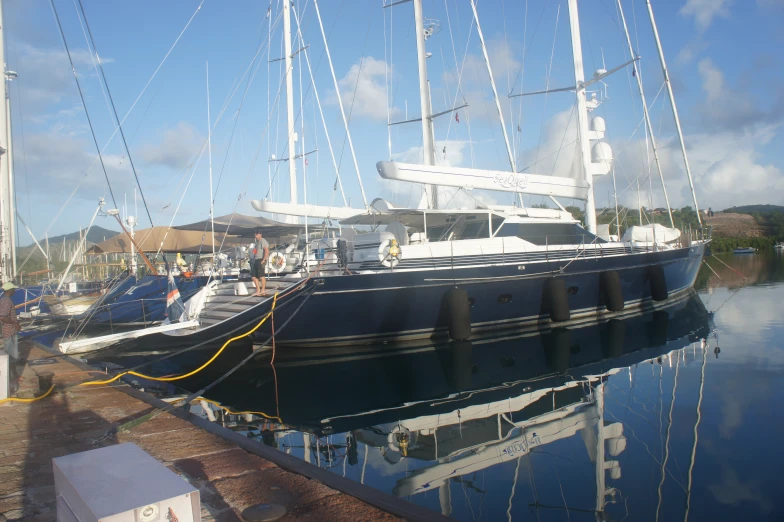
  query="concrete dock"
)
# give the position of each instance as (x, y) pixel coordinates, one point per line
(231, 471)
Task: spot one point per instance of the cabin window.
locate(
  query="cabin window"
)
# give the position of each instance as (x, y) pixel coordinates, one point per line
(477, 229)
(495, 222)
(549, 233)
(435, 233)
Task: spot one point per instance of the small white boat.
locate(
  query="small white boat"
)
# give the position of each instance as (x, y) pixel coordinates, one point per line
(779, 246)
(748, 250)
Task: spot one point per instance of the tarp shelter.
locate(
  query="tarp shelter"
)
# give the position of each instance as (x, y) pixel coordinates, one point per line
(244, 226)
(150, 239)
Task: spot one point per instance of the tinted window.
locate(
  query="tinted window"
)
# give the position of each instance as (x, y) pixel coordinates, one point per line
(548, 233)
(435, 233)
(474, 230)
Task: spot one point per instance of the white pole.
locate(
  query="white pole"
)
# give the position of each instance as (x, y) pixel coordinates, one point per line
(269, 111)
(599, 468)
(645, 113)
(495, 91)
(696, 438)
(582, 116)
(292, 135)
(674, 108)
(617, 217)
(340, 103)
(323, 120)
(7, 210)
(77, 250)
(428, 141)
(302, 149)
(209, 149)
(639, 202)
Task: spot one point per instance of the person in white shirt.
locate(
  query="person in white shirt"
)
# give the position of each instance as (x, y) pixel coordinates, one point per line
(259, 252)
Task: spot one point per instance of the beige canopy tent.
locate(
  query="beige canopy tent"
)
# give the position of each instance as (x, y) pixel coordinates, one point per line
(167, 240)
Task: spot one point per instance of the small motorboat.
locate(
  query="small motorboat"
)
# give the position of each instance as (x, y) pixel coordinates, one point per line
(779, 246)
(743, 250)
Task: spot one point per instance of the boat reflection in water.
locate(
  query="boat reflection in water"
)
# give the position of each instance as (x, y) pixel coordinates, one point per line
(453, 410)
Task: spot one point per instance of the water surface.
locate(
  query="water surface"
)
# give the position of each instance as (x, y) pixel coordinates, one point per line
(670, 414)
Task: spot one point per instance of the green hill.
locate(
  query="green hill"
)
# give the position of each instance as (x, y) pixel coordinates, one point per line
(96, 235)
(754, 209)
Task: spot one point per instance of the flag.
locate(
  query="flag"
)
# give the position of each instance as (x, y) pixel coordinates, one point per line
(306, 162)
(457, 117)
(175, 310)
(634, 71)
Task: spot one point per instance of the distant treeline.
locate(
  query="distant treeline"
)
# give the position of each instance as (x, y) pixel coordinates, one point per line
(728, 244)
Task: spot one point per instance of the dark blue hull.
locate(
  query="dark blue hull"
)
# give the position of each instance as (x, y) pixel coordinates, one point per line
(402, 382)
(409, 304)
(401, 306)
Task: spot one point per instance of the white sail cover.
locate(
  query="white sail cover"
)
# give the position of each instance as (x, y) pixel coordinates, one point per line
(313, 211)
(485, 179)
(647, 234)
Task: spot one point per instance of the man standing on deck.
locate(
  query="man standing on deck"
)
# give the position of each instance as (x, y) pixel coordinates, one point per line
(10, 327)
(259, 252)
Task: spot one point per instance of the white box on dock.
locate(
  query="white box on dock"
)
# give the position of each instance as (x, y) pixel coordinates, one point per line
(121, 483)
(5, 378)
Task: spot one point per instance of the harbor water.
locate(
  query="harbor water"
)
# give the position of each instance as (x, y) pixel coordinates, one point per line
(670, 414)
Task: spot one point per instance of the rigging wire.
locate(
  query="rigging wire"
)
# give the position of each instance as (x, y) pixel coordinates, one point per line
(84, 104)
(114, 111)
(144, 89)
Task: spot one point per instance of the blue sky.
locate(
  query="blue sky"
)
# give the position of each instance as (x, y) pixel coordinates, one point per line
(728, 80)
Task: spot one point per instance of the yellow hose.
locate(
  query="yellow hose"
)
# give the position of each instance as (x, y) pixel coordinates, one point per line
(231, 412)
(50, 390)
(178, 377)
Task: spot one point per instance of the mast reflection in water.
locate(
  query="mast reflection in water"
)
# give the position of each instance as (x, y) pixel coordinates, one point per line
(497, 426)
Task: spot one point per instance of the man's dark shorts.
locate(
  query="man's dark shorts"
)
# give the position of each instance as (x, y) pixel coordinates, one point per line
(258, 269)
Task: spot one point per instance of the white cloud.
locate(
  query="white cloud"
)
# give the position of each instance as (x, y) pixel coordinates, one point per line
(176, 149)
(727, 167)
(56, 162)
(555, 153)
(46, 77)
(734, 492)
(451, 153)
(704, 11)
(362, 89)
(475, 83)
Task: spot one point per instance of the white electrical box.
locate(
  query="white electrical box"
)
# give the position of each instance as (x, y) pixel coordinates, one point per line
(121, 483)
(5, 377)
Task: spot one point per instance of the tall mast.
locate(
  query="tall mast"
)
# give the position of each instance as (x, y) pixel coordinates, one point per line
(674, 108)
(582, 116)
(209, 147)
(292, 135)
(645, 115)
(7, 204)
(424, 100)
